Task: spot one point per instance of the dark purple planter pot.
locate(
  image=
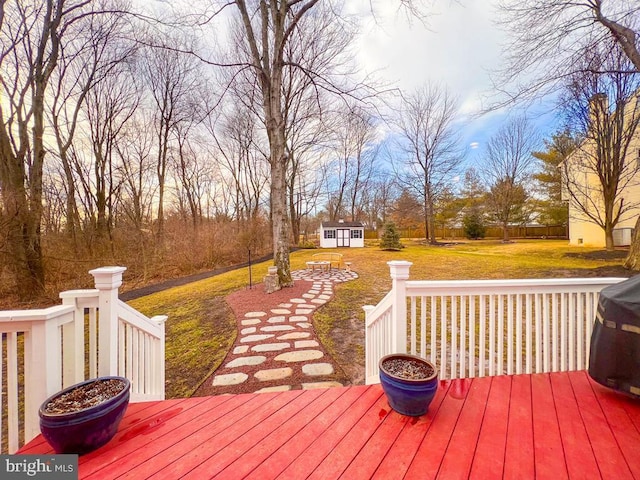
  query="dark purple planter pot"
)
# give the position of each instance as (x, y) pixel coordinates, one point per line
(84, 430)
(408, 397)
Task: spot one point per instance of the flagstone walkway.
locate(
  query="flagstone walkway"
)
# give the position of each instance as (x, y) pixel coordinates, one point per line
(277, 348)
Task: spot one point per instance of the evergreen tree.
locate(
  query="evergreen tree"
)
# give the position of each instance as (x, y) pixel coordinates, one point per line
(553, 210)
(390, 238)
(473, 224)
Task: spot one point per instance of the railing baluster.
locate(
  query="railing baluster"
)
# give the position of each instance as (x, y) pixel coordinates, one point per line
(413, 326)
(482, 340)
(12, 391)
(423, 326)
(518, 344)
(434, 330)
(463, 336)
(572, 330)
(510, 338)
(529, 334)
(472, 337)
(563, 331)
(492, 335)
(538, 327)
(546, 332)
(443, 336)
(555, 350)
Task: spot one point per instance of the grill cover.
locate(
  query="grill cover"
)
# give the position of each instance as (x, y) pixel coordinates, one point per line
(615, 342)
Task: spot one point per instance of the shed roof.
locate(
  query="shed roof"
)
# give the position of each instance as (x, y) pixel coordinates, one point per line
(343, 224)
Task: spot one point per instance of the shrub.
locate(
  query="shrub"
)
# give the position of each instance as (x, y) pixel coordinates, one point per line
(390, 238)
(473, 225)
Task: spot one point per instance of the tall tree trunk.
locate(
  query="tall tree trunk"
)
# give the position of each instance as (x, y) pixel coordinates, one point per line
(632, 261)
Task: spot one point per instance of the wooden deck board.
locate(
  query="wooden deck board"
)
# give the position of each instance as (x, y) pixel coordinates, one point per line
(611, 462)
(519, 459)
(298, 443)
(547, 443)
(401, 454)
(462, 446)
(434, 445)
(581, 463)
(560, 425)
(491, 447)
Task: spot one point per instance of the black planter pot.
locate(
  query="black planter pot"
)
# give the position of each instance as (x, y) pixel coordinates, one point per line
(83, 431)
(406, 396)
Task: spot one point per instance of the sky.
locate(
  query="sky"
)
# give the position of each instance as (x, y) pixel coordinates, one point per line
(460, 48)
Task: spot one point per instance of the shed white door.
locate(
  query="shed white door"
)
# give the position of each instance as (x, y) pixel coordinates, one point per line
(344, 236)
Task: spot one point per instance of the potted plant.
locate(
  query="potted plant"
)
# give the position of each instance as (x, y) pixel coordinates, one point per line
(409, 382)
(84, 416)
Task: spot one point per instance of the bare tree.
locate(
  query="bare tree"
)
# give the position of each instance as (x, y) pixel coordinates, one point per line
(135, 150)
(242, 159)
(549, 36)
(430, 146)
(353, 166)
(110, 104)
(507, 166)
(604, 108)
(32, 33)
(174, 80)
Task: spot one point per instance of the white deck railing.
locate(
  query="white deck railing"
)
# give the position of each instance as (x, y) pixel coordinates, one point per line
(472, 328)
(44, 351)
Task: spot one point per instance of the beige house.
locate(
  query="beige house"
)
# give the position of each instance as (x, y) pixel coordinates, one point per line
(584, 192)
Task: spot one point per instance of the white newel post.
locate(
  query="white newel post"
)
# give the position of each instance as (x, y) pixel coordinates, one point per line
(399, 274)
(107, 281)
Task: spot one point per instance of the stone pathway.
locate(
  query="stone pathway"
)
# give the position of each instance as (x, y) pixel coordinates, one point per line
(278, 349)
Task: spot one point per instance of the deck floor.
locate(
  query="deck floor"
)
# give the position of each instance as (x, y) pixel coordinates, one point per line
(559, 425)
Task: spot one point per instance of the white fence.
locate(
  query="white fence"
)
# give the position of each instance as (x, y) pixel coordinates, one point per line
(91, 334)
(472, 328)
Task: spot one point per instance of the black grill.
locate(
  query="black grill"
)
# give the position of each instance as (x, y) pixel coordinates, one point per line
(615, 342)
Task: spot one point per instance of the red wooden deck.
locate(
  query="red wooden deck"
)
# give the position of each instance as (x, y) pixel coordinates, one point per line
(559, 425)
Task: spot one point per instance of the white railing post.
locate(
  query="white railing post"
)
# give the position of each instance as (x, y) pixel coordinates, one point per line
(42, 371)
(107, 281)
(399, 270)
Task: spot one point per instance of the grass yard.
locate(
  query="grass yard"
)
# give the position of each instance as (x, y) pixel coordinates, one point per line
(201, 327)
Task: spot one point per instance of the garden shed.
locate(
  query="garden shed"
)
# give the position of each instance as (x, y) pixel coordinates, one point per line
(341, 234)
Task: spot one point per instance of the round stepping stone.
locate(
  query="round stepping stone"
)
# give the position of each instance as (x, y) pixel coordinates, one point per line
(270, 347)
(254, 314)
(253, 321)
(255, 338)
(303, 325)
(309, 386)
(285, 305)
(280, 311)
(318, 301)
(276, 328)
(325, 297)
(308, 295)
(278, 388)
(229, 379)
(304, 311)
(278, 319)
(273, 374)
(248, 330)
(306, 344)
(314, 292)
(294, 335)
(298, 300)
(299, 356)
(298, 318)
(316, 369)
(246, 361)
(241, 349)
